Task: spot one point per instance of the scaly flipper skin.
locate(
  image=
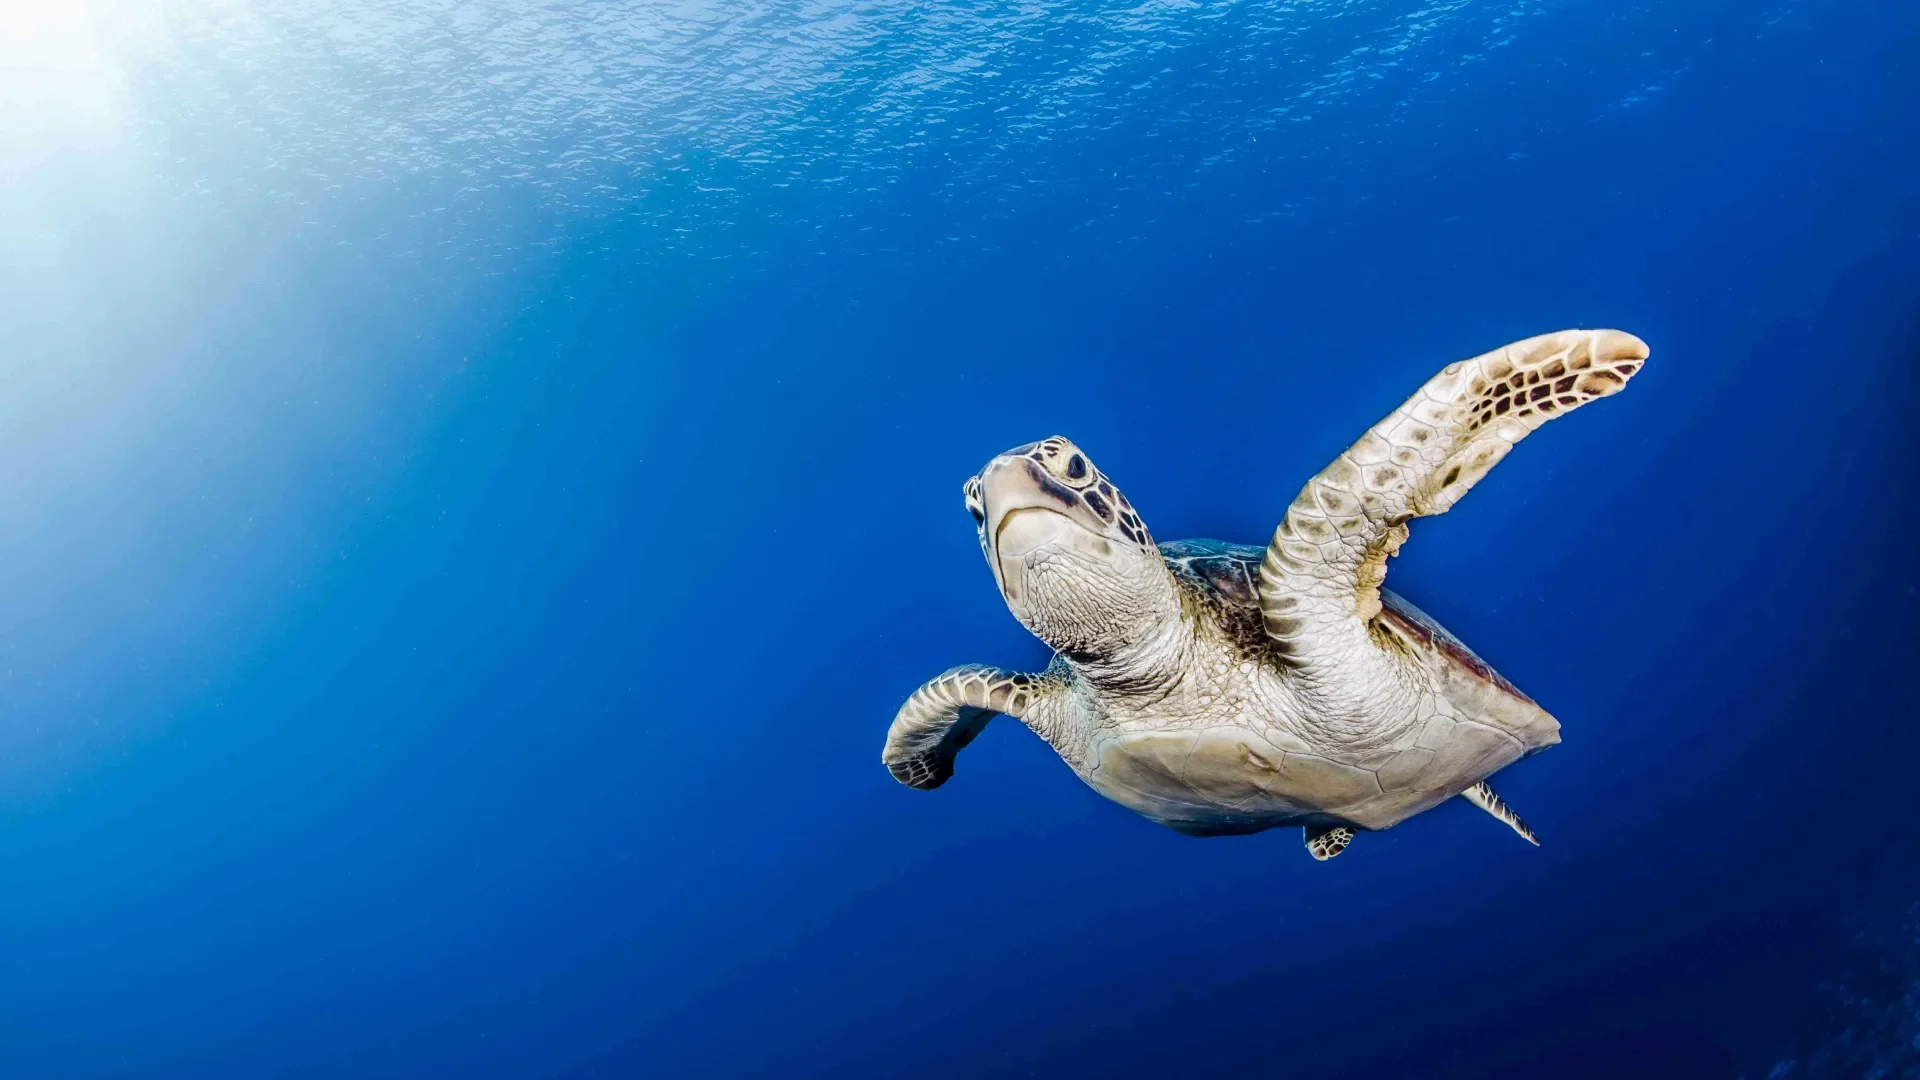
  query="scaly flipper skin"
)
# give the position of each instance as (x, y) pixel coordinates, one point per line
(946, 713)
(1326, 841)
(1483, 797)
(1329, 554)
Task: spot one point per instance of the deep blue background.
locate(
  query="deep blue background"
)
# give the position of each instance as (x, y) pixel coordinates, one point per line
(450, 613)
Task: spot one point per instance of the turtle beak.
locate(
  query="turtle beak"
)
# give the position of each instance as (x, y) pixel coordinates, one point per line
(1028, 511)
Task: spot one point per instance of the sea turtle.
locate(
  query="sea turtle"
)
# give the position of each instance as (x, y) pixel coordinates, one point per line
(1221, 688)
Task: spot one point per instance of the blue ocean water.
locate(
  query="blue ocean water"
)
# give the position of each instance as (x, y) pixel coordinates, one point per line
(477, 478)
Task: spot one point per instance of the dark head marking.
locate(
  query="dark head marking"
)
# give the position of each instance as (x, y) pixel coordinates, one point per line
(1060, 493)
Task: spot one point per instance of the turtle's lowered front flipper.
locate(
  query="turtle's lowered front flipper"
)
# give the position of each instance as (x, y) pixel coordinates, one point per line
(1483, 797)
(944, 715)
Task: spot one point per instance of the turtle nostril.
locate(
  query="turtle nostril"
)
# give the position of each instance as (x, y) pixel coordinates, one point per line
(1076, 467)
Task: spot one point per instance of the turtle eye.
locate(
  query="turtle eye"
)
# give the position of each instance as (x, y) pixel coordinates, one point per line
(978, 517)
(1076, 468)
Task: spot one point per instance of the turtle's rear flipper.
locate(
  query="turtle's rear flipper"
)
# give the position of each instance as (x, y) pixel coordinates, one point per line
(1326, 841)
(1483, 797)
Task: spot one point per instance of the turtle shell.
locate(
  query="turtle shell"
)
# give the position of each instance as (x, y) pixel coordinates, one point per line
(1231, 779)
(1225, 579)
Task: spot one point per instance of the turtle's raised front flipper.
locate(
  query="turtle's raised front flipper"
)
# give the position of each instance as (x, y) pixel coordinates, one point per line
(944, 715)
(1329, 554)
(1483, 797)
(1326, 841)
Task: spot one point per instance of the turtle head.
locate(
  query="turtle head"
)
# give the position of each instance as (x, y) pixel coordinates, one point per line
(1074, 562)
